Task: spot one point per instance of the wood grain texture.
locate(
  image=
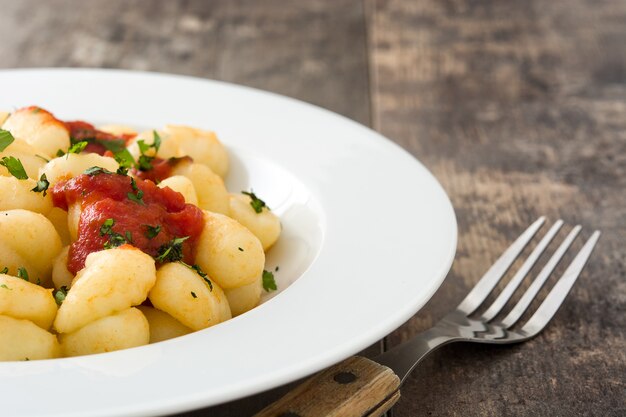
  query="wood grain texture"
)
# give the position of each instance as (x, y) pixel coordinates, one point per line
(355, 387)
(518, 108)
(312, 50)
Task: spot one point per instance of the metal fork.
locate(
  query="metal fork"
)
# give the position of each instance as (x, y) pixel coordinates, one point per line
(359, 387)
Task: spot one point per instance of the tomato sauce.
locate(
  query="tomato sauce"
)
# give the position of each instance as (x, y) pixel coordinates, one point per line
(161, 169)
(98, 141)
(148, 221)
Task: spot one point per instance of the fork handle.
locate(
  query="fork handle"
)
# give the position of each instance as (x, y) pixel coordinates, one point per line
(356, 387)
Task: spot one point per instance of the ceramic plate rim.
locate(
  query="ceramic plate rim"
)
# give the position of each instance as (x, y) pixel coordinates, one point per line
(359, 139)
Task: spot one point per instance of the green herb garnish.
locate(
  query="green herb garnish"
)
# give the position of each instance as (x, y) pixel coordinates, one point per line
(106, 227)
(171, 251)
(269, 283)
(137, 198)
(156, 143)
(60, 294)
(115, 239)
(42, 185)
(203, 275)
(4, 286)
(96, 171)
(113, 145)
(125, 159)
(22, 273)
(144, 163)
(15, 167)
(6, 138)
(152, 231)
(5, 270)
(78, 147)
(256, 203)
(200, 272)
(143, 146)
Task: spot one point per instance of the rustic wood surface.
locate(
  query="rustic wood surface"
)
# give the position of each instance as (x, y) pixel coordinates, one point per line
(518, 108)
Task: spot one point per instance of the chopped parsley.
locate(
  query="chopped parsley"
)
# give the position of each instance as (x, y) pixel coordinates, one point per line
(203, 275)
(15, 167)
(269, 284)
(144, 163)
(96, 171)
(256, 203)
(115, 239)
(193, 294)
(6, 138)
(156, 143)
(59, 153)
(5, 270)
(137, 198)
(113, 145)
(42, 185)
(106, 227)
(60, 294)
(129, 237)
(152, 231)
(200, 272)
(22, 273)
(125, 159)
(42, 158)
(78, 147)
(171, 251)
(143, 146)
(4, 286)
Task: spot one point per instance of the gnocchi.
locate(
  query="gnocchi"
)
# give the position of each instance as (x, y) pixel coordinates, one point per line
(22, 340)
(194, 301)
(29, 241)
(38, 128)
(125, 329)
(162, 325)
(112, 280)
(111, 239)
(17, 194)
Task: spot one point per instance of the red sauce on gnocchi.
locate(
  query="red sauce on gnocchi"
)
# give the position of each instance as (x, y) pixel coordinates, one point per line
(97, 139)
(161, 169)
(117, 209)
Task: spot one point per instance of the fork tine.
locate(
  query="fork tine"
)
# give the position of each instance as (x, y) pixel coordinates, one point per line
(481, 290)
(555, 298)
(519, 276)
(536, 285)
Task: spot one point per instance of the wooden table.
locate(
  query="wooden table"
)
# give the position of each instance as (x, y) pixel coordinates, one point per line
(518, 108)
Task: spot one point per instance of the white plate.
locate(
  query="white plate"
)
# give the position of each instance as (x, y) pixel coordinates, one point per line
(369, 235)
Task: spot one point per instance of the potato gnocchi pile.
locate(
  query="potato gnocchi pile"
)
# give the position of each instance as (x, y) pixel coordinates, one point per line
(123, 294)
